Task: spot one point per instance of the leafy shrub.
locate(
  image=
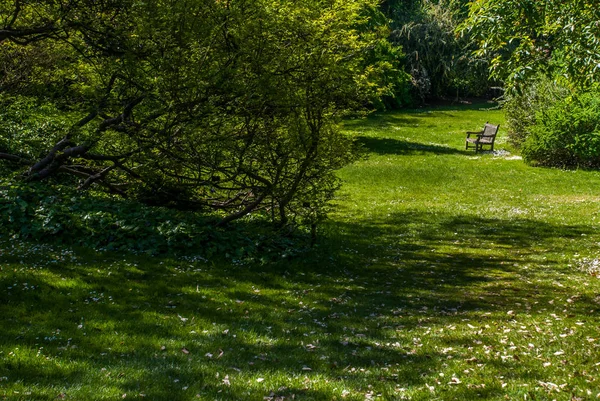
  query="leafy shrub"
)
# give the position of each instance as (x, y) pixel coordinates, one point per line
(437, 59)
(62, 215)
(522, 108)
(29, 126)
(567, 134)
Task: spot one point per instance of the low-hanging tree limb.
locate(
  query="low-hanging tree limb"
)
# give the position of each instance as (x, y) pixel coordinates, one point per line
(244, 211)
(15, 159)
(82, 174)
(62, 144)
(61, 152)
(40, 165)
(93, 178)
(57, 161)
(26, 36)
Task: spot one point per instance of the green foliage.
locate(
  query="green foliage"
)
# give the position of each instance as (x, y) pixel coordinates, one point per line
(544, 52)
(528, 37)
(438, 60)
(522, 108)
(230, 106)
(28, 126)
(444, 275)
(393, 77)
(60, 215)
(566, 134)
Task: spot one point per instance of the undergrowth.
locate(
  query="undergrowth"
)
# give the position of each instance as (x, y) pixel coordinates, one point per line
(59, 214)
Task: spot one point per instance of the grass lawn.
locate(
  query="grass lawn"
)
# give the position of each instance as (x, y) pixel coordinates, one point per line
(441, 275)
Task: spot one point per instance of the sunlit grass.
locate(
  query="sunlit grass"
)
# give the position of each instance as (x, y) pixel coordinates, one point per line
(441, 275)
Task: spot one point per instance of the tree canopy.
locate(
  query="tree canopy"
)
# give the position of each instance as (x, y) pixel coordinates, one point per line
(548, 55)
(224, 105)
(527, 37)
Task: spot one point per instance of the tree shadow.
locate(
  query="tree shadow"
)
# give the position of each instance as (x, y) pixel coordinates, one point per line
(411, 117)
(386, 146)
(352, 306)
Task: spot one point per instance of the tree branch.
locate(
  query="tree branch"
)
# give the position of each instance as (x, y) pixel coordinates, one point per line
(27, 35)
(82, 174)
(63, 143)
(15, 158)
(244, 211)
(92, 178)
(15, 13)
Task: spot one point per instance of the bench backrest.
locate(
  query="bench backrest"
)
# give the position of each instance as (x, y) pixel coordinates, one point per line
(489, 133)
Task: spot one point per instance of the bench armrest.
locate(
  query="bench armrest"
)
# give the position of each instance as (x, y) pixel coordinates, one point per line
(478, 133)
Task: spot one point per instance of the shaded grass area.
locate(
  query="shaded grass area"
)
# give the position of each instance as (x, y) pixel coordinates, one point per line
(60, 214)
(441, 275)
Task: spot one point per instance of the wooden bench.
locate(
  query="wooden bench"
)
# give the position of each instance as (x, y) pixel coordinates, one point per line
(485, 137)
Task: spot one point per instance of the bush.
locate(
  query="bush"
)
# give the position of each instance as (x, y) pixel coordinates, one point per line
(58, 214)
(566, 134)
(28, 126)
(522, 108)
(437, 59)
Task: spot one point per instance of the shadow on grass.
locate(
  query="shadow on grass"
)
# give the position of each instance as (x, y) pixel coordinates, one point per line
(165, 328)
(386, 146)
(412, 117)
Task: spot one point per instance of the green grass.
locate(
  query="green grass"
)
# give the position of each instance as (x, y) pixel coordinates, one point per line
(441, 275)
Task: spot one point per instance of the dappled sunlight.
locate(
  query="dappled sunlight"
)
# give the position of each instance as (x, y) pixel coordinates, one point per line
(436, 276)
(377, 306)
(413, 303)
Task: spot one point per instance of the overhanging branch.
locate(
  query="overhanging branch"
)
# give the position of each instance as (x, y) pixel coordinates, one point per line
(15, 159)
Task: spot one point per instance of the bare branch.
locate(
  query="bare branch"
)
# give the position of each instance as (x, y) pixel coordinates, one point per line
(85, 120)
(82, 174)
(92, 178)
(15, 158)
(27, 35)
(249, 208)
(63, 143)
(107, 123)
(15, 13)
(128, 170)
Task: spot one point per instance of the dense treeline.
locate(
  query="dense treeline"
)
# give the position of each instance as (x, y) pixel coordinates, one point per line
(440, 62)
(545, 56)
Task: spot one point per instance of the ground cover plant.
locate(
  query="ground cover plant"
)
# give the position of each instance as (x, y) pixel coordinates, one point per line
(59, 214)
(441, 274)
